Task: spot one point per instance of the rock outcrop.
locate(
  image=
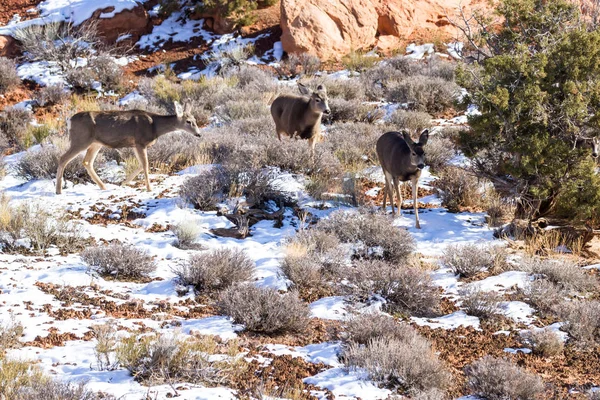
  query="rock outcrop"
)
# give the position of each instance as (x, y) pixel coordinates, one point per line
(134, 22)
(9, 47)
(333, 28)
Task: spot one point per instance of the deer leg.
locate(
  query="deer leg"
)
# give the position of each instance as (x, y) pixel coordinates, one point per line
(88, 163)
(143, 158)
(133, 174)
(389, 189)
(312, 142)
(397, 186)
(62, 164)
(415, 192)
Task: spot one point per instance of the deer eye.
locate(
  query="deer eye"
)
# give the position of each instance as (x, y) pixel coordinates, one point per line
(318, 100)
(414, 154)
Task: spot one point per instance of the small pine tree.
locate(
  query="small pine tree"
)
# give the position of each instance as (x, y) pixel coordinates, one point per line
(538, 89)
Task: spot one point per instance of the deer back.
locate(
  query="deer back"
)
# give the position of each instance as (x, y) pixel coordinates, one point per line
(294, 115)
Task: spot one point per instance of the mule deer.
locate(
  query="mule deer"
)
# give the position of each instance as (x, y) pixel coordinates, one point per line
(593, 142)
(301, 115)
(401, 160)
(91, 130)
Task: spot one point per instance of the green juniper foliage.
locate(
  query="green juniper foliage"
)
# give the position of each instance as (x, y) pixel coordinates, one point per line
(538, 90)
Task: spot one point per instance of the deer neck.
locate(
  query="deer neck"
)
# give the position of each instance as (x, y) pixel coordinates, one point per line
(312, 118)
(164, 124)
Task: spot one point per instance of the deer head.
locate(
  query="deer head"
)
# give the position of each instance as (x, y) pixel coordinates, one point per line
(595, 146)
(185, 119)
(417, 154)
(318, 98)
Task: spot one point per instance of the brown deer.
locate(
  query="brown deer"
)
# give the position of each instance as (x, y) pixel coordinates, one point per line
(91, 130)
(593, 143)
(301, 115)
(401, 160)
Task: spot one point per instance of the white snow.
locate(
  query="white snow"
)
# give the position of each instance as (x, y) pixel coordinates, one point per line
(450, 321)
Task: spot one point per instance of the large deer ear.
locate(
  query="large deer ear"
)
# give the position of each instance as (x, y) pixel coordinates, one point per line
(424, 137)
(304, 90)
(322, 88)
(187, 108)
(178, 109)
(407, 139)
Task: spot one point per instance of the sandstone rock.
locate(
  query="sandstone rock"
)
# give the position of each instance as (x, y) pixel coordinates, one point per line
(327, 28)
(333, 28)
(134, 22)
(9, 47)
(388, 44)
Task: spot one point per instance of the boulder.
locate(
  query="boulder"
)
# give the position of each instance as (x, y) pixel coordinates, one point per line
(135, 22)
(9, 47)
(327, 28)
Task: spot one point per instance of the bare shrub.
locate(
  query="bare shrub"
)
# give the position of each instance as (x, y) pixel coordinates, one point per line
(42, 163)
(582, 321)
(82, 78)
(251, 78)
(347, 89)
(186, 233)
(296, 64)
(52, 389)
(107, 72)
(162, 359)
(458, 189)
(375, 236)
(366, 327)
(376, 81)
(106, 342)
(312, 259)
(409, 363)
(205, 190)
(429, 394)
(119, 262)
(469, 259)
(8, 75)
(52, 94)
(406, 289)
(349, 110)
(479, 303)
(413, 121)
(422, 93)
(175, 151)
(544, 296)
(499, 209)
(241, 109)
(13, 125)
(264, 310)
(215, 270)
(563, 273)
(544, 342)
(500, 379)
(59, 42)
(438, 152)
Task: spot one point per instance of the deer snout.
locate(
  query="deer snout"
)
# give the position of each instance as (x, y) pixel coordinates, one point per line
(421, 166)
(327, 111)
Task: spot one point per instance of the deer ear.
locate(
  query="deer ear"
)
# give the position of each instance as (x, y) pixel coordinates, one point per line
(424, 137)
(321, 88)
(304, 90)
(178, 109)
(407, 138)
(187, 108)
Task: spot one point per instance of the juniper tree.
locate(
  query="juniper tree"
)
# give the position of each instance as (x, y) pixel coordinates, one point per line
(537, 85)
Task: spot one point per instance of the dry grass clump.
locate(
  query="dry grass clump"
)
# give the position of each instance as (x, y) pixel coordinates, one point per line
(299, 64)
(544, 342)
(479, 303)
(160, 359)
(205, 190)
(407, 290)
(582, 321)
(13, 126)
(565, 274)
(264, 310)
(174, 152)
(372, 233)
(412, 121)
(358, 61)
(351, 111)
(499, 210)
(467, 260)
(407, 363)
(186, 233)
(215, 270)
(313, 259)
(107, 72)
(458, 189)
(119, 262)
(106, 344)
(423, 93)
(365, 327)
(10, 332)
(500, 379)
(353, 143)
(8, 75)
(30, 228)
